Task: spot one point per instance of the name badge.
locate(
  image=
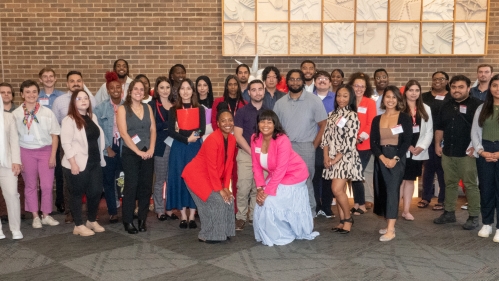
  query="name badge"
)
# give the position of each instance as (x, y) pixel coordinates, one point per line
(415, 129)
(117, 135)
(462, 109)
(136, 139)
(258, 150)
(341, 123)
(440, 97)
(397, 130)
(408, 154)
(44, 101)
(362, 109)
(28, 138)
(375, 98)
(169, 141)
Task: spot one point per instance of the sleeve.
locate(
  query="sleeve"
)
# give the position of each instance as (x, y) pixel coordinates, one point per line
(375, 137)
(55, 129)
(14, 141)
(56, 110)
(406, 137)
(101, 94)
(230, 162)
(284, 151)
(172, 119)
(426, 137)
(349, 140)
(68, 128)
(370, 114)
(211, 150)
(326, 137)
(256, 166)
(477, 131)
(320, 110)
(98, 113)
(202, 120)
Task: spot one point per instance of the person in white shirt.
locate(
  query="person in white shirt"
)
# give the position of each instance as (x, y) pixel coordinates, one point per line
(308, 69)
(380, 83)
(121, 68)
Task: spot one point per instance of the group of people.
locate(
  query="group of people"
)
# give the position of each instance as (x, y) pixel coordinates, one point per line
(256, 155)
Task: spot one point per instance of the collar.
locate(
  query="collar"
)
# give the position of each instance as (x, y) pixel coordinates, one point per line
(329, 94)
(301, 98)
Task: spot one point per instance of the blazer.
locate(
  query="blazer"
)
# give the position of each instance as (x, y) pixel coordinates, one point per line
(477, 132)
(425, 136)
(285, 165)
(366, 121)
(211, 169)
(74, 142)
(11, 141)
(404, 140)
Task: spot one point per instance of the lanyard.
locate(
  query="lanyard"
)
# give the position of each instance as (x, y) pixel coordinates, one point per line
(414, 117)
(159, 111)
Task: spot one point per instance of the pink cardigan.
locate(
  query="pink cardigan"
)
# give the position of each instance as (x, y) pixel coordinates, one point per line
(285, 165)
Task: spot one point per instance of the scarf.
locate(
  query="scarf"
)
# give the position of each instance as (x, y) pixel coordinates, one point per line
(27, 114)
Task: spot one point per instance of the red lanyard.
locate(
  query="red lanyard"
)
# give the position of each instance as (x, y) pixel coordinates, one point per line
(159, 111)
(414, 117)
(235, 109)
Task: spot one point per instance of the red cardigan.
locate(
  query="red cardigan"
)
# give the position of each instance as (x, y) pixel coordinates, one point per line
(214, 111)
(209, 171)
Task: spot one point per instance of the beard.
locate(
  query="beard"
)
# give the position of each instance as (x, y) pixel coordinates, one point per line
(122, 76)
(295, 90)
(309, 79)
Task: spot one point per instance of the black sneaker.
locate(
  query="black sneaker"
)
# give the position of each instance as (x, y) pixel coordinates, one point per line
(446, 217)
(471, 223)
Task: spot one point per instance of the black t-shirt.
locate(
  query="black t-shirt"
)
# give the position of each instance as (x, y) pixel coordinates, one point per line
(435, 104)
(232, 104)
(93, 133)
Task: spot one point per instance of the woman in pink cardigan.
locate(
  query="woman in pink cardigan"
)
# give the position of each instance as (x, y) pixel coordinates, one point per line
(282, 213)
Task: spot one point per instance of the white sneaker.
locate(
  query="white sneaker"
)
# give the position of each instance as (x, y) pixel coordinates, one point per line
(49, 221)
(17, 235)
(37, 223)
(2, 236)
(321, 213)
(485, 231)
(95, 226)
(464, 207)
(496, 237)
(334, 202)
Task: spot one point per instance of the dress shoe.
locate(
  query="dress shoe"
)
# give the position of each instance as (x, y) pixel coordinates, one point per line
(142, 226)
(130, 228)
(60, 208)
(113, 219)
(68, 219)
(210, 241)
(183, 224)
(192, 224)
(82, 231)
(95, 226)
(162, 217)
(172, 217)
(385, 237)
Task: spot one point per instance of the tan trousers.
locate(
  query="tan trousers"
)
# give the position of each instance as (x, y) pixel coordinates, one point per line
(8, 184)
(246, 189)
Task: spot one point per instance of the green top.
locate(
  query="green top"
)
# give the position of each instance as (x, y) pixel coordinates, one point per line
(491, 126)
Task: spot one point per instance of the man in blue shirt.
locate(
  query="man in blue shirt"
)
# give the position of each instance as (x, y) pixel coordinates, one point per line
(484, 74)
(49, 93)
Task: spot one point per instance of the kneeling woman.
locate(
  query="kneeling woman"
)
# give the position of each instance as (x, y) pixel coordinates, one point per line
(207, 178)
(83, 142)
(283, 212)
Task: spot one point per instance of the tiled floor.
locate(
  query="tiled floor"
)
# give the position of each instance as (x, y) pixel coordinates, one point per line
(421, 251)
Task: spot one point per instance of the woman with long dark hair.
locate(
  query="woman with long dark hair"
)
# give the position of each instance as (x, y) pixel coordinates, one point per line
(341, 158)
(485, 138)
(232, 96)
(161, 104)
(187, 124)
(137, 128)
(82, 140)
(204, 92)
(422, 136)
(391, 134)
(282, 213)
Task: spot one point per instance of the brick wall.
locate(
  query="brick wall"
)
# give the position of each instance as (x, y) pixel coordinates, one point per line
(88, 35)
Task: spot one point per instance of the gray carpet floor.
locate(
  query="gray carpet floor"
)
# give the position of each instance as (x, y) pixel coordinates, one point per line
(420, 251)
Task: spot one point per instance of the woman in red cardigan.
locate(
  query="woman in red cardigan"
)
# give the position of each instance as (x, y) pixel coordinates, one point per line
(208, 179)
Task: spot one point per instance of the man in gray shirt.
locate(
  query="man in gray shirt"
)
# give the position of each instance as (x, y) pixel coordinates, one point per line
(303, 117)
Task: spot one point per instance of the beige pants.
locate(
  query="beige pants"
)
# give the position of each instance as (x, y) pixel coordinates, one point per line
(246, 189)
(8, 183)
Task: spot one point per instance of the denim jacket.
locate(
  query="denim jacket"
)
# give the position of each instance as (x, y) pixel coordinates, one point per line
(105, 115)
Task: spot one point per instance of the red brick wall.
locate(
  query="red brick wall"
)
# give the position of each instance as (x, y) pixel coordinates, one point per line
(88, 35)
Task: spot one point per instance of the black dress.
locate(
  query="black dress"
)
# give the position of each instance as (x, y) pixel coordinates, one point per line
(387, 181)
(414, 168)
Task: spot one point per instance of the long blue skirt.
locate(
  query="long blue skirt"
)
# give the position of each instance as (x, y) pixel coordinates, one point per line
(181, 154)
(284, 217)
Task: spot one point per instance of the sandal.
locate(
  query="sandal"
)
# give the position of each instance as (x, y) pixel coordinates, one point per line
(438, 207)
(358, 212)
(423, 204)
(336, 229)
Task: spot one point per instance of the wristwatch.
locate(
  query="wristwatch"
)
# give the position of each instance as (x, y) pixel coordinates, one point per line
(396, 158)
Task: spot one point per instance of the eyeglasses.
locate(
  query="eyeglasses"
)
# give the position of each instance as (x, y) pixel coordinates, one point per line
(294, 79)
(359, 86)
(381, 77)
(81, 98)
(441, 79)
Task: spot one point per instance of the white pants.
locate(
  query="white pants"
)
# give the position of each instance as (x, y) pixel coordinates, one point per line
(8, 183)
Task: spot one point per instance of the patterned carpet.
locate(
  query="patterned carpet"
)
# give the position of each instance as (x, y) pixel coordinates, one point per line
(421, 251)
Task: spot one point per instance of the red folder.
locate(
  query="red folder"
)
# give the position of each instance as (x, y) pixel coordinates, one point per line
(188, 119)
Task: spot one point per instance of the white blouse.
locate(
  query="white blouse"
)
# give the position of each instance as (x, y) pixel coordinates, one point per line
(39, 134)
(264, 160)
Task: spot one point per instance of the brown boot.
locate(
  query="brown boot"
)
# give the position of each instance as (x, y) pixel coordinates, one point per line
(68, 219)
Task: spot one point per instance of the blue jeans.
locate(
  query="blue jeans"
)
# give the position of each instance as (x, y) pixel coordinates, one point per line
(488, 176)
(109, 175)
